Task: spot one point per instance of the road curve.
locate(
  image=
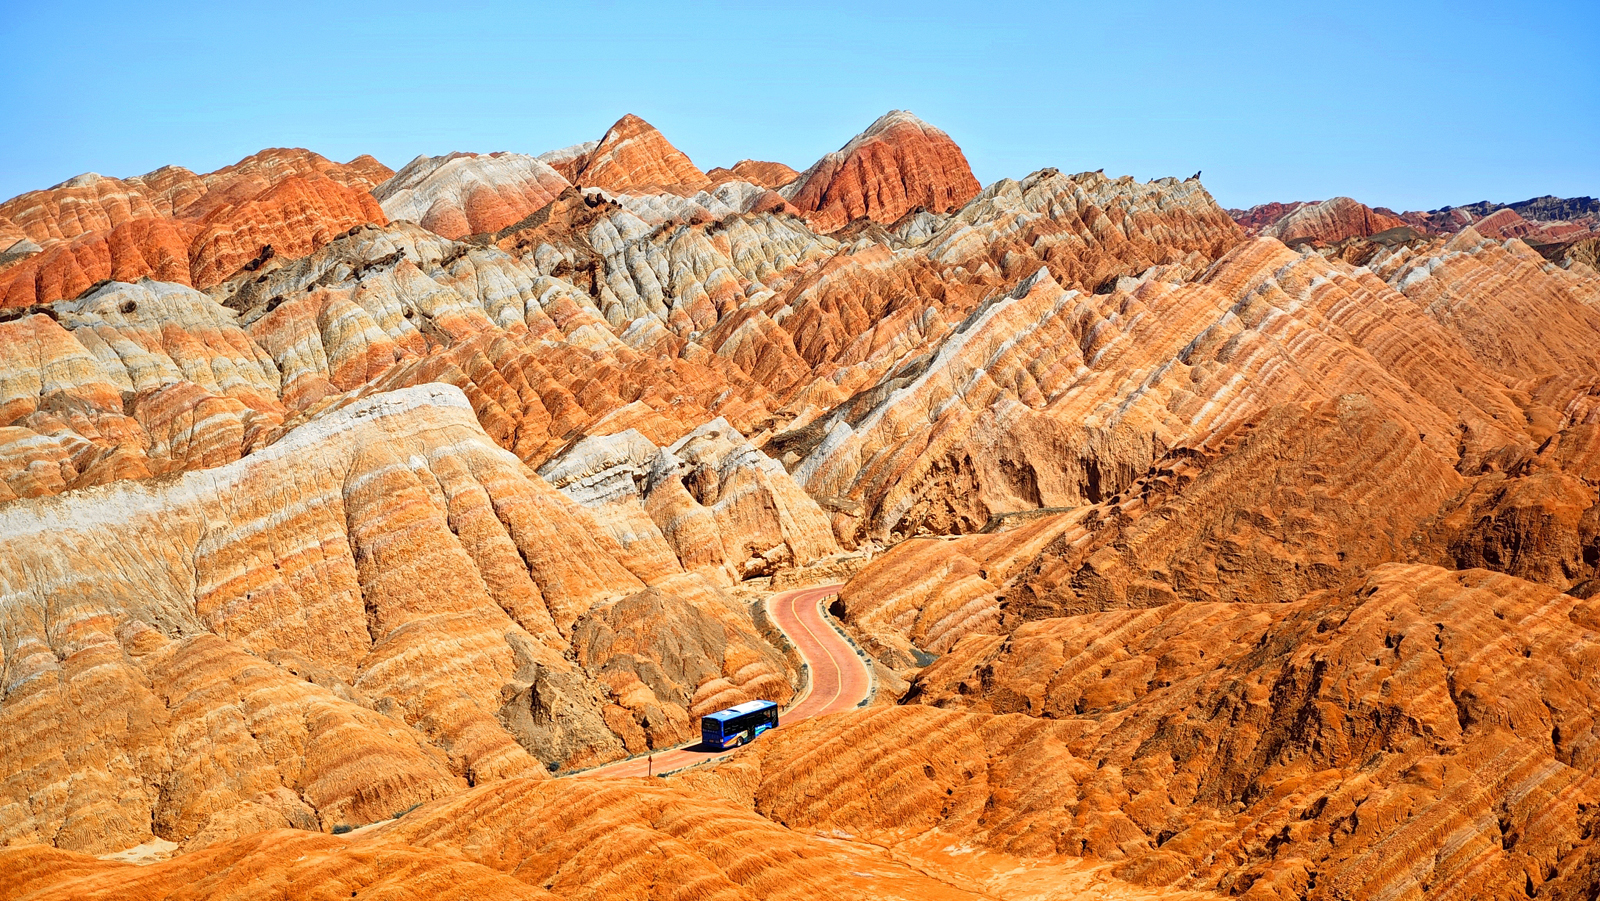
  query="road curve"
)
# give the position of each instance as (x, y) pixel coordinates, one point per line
(839, 679)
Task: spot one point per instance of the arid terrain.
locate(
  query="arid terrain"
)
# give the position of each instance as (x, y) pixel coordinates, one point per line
(371, 532)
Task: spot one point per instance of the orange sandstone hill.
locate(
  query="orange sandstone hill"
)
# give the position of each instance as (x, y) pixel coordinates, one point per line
(1552, 224)
(173, 225)
(765, 174)
(467, 194)
(345, 513)
(898, 164)
(631, 157)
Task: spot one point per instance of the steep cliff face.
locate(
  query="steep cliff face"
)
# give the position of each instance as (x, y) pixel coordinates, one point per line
(899, 163)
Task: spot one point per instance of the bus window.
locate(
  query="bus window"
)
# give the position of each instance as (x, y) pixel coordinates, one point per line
(738, 724)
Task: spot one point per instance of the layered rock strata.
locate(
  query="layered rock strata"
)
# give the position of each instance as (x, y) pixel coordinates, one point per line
(467, 194)
(380, 608)
(899, 163)
(711, 500)
(174, 225)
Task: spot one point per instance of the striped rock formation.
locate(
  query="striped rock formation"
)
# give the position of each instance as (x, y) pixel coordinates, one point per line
(1330, 222)
(594, 840)
(711, 500)
(756, 172)
(898, 164)
(467, 194)
(173, 225)
(377, 309)
(1198, 562)
(630, 157)
(1549, 221)
(1418, 732)
(380, 608)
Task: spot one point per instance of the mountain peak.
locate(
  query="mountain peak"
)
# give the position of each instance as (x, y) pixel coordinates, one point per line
(897, 164)
(634, 156)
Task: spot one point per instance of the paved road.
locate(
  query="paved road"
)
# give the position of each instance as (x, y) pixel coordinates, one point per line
(839, 678)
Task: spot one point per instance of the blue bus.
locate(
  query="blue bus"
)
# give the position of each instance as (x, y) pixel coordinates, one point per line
(738, 724)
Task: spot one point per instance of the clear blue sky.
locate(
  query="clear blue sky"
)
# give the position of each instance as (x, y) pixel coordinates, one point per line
(1407, 105)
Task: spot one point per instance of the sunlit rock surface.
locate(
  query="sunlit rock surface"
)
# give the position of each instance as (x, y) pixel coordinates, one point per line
(899, 163)
(174, 225)
(380, 608)
(711, 501)
(1228, 553)
(467, 194)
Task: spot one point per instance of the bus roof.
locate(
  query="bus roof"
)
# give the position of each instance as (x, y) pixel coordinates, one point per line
(740, 710)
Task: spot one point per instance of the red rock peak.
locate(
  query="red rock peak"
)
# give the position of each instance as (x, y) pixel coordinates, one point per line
(897, 164)
(634, 156)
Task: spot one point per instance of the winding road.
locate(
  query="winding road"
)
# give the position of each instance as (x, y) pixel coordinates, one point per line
(840, 679)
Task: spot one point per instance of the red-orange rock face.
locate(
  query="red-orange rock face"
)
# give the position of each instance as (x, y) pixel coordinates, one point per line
(756, 172)
(293, 217)
(632, 156)
(1550, 222)
(1330, 222)
(1258, 217)
(429, 629)
(173, 225)
(152, 247)
(898, 164)
(1190, 563)
(87, 203)
(1361, 734)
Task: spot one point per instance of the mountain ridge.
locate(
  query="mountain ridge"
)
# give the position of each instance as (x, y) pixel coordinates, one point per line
(1194, 553)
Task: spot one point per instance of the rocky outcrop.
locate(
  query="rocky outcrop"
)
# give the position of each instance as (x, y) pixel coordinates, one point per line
(1330, 222)
(711, 502)
(898, 164)
(173, 225)
(378, 609)
(631, 157)
(1452, 694)
(467, 194)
